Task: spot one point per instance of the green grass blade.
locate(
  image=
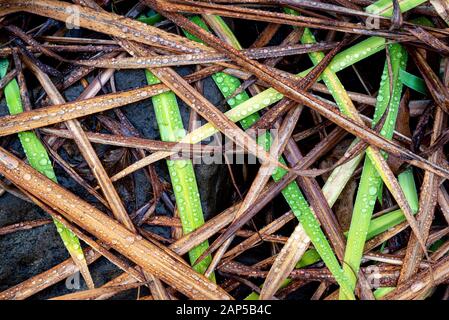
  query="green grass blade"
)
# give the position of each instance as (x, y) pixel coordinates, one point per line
(380, 292)
(222, 30)
(339, 177)
(413, 82)
(151, 18)
(385, 7)
(407, 182)
(181, 172)
(370, 181)
(39, 159)
(389, 220)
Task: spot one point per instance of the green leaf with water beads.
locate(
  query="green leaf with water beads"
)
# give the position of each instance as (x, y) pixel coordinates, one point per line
(370, 181)
(38, 158)
(181, 172)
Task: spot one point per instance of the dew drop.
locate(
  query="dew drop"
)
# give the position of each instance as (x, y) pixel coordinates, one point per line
(43, 162)
(130, 239)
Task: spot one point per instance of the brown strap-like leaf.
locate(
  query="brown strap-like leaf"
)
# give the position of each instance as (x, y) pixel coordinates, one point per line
(285, 262)
(202, 58)
(104, 22)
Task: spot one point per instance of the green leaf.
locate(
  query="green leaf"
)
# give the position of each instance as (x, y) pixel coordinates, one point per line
(181, 172)
(413, 82)
(39, 159)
